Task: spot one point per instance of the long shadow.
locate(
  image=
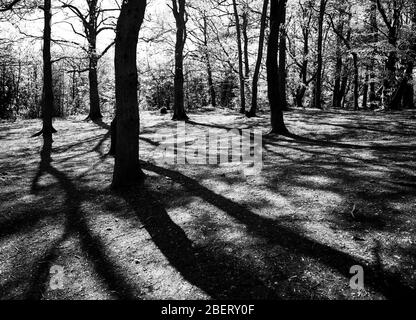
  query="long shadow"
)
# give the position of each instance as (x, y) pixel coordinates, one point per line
(385, 282)
(363, 128)
(76, 224)
(215, 273)
(304, 140)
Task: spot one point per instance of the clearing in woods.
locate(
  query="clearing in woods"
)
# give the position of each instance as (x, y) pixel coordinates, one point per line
(339, 192)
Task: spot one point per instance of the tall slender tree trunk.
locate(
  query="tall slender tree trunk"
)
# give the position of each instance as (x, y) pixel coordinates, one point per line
(48, 99)
(95, 112)
(276, 107)
(365, 90)
(374, 30)
(336, 101)
(127, 169)
(256, 74)
(179, 98)
(240, 60)
(317, 103)
(301, 89)
(211, 87)
(246, 55)
(356, 81)
(282, 61)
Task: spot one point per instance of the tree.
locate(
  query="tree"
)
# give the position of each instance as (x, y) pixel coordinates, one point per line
(305, 18)
(253, 110)
(274, 94)
(316, 102)
(282, 61)
(179, 12)
(393, 24)
(48, 99)
(127, 169)
(240, 59)
(94, 22)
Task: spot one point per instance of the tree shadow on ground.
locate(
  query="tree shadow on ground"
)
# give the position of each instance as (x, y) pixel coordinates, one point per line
(76, 225)
(389, 284)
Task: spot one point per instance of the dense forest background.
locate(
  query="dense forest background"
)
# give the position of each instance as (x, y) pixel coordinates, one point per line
(334, 54)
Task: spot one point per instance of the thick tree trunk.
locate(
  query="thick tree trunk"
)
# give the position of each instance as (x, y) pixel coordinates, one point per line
(240, 60)
(48, 100)
(95, 112)
(276, 108)
(127, 169)
(179, 99)
(256, 74)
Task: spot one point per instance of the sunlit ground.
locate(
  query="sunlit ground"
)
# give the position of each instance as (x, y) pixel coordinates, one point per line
(340, 192)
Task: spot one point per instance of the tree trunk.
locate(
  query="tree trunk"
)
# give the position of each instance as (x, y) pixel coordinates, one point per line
(246, 57)
(48, 100)
(301, 89)
(282, 61)
(95, 112)
(208, 62)
(365, 90)
(276, 107)
(356, 81)
(256, 74)
(374, 30)
(318, 83)
(127, 169)
(336, 101)
(240, 60)
(179, 100)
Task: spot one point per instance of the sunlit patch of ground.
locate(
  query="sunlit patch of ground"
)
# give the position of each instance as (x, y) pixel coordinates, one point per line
(339, 192)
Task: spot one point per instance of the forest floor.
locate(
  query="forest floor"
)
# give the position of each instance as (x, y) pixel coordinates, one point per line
(339, 192)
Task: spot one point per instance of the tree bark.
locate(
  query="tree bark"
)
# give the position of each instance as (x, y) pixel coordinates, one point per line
(127, 169)
(282, 61)
(95, 112)
(253, 110)
(211, 87)
(240, 60)
(356, 81)
(365, 90)
(276, 107)
(318, 83)
(48, 99)
(179, 99)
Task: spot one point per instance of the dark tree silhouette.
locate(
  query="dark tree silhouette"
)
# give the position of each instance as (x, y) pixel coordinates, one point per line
(48, 100)
(240, 59)
(316, 102)
(127, 169)
(179, 12)
(274, 94)
(253, 110)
